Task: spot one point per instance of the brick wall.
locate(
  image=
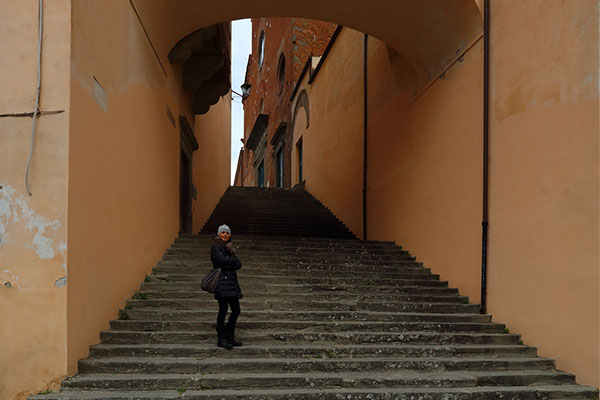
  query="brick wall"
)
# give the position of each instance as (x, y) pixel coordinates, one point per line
(295, 39)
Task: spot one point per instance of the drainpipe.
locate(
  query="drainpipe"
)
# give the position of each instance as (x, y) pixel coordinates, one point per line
(484, 222)
(242, 167)
(364, 191)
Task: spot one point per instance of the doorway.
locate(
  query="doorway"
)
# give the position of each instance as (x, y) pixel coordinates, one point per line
(279, 169)
(187, 144)
(185, 194)
(260, 174)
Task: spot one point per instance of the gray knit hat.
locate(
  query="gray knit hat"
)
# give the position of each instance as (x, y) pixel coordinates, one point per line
(223, 228)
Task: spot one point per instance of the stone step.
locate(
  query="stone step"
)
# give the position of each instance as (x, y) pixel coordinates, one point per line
(204, 265)
(282, 305)
(287, 246)
(297, 258)
(258, 288)
(329, 298)
(233, 213)
(536, 392)
(190, 365)
(297, 270)
(275, 276)
(313, 336)
(277, 205)
(322, 318)
(313, 230)
(264, 240)
(250, 224)
(323, 326)
(447, 297)
(310, 351)
(300, 315)
(320, 380)
(238, 219)
(263, 257)
(367, 284)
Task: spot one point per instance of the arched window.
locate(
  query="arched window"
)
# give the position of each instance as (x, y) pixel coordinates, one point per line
(261, 50)
(281, 73)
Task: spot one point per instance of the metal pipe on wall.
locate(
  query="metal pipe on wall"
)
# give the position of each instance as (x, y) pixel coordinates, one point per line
(484, 222)
(365, 59)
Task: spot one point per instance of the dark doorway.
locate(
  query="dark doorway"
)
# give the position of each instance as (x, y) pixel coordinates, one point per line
(279, 169)
(299, 146)
(260, 174)
(185, 194)
(188, 145)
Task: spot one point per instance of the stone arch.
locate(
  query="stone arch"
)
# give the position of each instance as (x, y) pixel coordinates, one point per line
(302, 102)
(427, 33)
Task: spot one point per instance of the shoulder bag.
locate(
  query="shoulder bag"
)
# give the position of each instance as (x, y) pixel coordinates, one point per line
(209, 282)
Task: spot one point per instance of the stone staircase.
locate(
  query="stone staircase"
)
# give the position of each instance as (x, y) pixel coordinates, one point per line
(275, 212)
(322, 318)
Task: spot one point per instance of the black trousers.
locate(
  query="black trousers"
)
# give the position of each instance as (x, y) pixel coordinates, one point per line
(232, 302)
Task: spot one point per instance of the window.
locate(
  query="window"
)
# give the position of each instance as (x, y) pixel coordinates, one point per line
(261, 50)
(279, 169)
(281, 73)
(299, 146)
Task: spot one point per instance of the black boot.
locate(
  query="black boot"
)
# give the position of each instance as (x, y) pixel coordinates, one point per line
(222, 338)
(230, 332)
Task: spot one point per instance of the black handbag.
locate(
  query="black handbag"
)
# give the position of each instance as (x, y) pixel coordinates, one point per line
(209, 282)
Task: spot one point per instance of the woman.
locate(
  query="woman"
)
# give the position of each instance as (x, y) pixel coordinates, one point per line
(228, 292)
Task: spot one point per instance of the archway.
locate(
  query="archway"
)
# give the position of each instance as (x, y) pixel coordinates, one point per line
(429, 34)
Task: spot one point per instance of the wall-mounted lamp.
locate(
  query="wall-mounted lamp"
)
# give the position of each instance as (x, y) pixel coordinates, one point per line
(246, 89)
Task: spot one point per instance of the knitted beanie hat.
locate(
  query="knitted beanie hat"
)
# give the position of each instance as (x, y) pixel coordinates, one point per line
(223, 228)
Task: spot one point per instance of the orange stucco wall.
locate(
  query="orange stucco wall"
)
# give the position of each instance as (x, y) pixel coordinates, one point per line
(212, 161)
(424, 175)
(89, 174)
(33, 229)
(544, 221)
(332, 145)
(124, 164)
(424, 161)
(425, 169)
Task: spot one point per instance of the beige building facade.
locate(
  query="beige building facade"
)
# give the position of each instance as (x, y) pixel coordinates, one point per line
(117, 107)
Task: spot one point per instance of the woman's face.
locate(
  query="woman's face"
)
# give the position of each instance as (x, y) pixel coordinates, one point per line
(224, 236)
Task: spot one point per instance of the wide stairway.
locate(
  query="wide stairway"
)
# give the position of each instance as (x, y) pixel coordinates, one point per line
(275, 212)
(322, 318)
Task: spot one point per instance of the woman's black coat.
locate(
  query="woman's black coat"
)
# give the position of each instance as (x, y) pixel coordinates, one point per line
(228, 285)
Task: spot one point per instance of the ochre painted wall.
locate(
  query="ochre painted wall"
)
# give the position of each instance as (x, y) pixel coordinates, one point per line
(425, 169)
(544, 164)
(333, 144)
(424, 161)
(441, 26)
(544, 160)
(424, 175)
(212, 166)
(33, 229)
(124, 164)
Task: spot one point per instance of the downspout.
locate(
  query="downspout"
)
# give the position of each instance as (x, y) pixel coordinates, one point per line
(484, 222)
(242, 166)
(365, 121)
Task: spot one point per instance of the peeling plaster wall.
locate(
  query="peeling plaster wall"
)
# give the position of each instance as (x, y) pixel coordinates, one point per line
(33, 229)
(123, 166)
(124, 162)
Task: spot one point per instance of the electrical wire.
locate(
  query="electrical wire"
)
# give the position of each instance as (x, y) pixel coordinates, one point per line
(37, 96)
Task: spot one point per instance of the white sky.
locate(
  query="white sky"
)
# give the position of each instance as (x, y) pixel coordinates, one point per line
(241, 47)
